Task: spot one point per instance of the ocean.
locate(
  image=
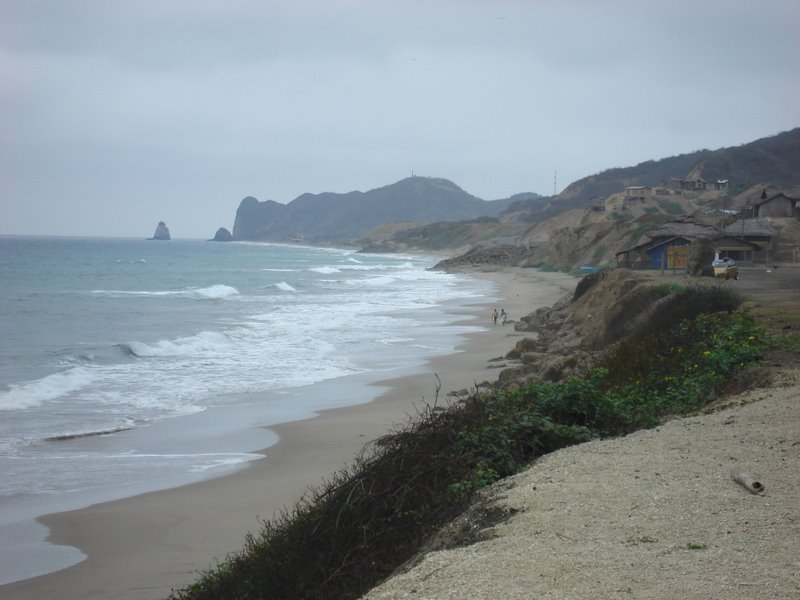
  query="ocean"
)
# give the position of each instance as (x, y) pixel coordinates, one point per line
(131, 365)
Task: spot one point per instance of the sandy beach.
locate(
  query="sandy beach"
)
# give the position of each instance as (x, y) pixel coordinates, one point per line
(142, 547)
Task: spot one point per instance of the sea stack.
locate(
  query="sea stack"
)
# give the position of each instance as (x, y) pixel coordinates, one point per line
(162, 232)
(222, 235)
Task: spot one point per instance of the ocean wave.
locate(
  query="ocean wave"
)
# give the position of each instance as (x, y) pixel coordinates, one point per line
(371, 282)
(202, 343)
(280, 270)
(34, 393)
(212, 292)
(215, 292)
(355, 267)
(284, 287)
(379, 267)
(325, 270)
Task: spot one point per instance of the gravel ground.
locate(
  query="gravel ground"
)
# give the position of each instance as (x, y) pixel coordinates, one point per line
(653, 515)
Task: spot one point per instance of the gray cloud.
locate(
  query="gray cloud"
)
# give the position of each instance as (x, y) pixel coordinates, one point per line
(115, 115)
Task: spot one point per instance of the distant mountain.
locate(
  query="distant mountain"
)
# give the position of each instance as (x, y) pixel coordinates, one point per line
(330, 217)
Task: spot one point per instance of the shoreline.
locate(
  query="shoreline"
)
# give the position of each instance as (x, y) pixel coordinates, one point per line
(144, 546)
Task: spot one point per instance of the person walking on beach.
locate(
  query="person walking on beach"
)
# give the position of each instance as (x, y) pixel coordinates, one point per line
(503, 316)
(494, 316)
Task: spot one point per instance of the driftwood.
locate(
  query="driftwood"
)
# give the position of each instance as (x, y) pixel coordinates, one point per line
(748, 483)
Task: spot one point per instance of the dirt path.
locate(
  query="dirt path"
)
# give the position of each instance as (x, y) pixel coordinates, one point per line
(780, 285)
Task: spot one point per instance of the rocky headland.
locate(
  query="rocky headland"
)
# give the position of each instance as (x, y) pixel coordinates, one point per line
(222, 235)
(161, 233)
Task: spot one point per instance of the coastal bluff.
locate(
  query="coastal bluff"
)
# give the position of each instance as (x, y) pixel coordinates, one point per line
(653, 514)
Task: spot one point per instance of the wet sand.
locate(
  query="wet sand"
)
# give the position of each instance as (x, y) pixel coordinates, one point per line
(142, 547)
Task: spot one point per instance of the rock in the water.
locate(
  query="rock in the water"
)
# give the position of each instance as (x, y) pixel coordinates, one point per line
(162, 232)
(222, 235)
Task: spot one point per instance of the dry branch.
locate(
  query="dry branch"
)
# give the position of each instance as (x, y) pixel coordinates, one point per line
(748, 483)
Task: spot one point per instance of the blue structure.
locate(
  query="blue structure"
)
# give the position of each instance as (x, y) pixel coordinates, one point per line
(669, 254)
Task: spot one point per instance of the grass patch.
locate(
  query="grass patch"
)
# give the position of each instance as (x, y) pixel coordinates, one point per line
(599, 251)
(670, 207)
(635, 541)
(696, 546)
(782, 323)
(374, 515)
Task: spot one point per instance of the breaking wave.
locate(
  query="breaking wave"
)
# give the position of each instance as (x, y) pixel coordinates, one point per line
(34, 393)
(201, 344)
(284, 287)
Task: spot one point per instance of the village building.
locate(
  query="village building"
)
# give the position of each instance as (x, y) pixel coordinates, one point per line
(669, 243)
(751, 230)
(667, 253)
(638, 193)
(697, 184)
(719, 184)
(776, 206)
(597, 203)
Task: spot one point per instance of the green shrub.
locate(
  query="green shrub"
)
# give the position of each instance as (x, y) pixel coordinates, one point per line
(650, 308)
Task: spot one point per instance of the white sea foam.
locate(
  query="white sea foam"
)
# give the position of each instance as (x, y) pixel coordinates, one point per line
(205, 342)
(362, 267)
(284, 287)
(34, 393)
(372, 282)
(212, 292)
(223, 460)
(325, 270)
(216, 292)
(399, 340)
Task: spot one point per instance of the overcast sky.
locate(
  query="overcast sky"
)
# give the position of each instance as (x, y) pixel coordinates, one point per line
(116, 114)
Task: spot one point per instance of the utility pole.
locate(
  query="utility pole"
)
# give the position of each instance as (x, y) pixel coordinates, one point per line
(555, 178)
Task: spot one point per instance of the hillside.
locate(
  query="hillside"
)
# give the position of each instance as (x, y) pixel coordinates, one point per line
(332, 217)
(772, 159)
(596, 217)
(440, 236)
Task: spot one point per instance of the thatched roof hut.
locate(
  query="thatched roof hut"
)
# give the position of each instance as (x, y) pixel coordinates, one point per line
(685, 226)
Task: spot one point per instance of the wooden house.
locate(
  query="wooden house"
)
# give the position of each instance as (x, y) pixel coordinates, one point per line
(638, 193)
(669, 253)
(669, 243)
(719, 184)
(685, 226)
(597, 203)
(739, 250)
(751, 230)
(697, 184)
(777, 206)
